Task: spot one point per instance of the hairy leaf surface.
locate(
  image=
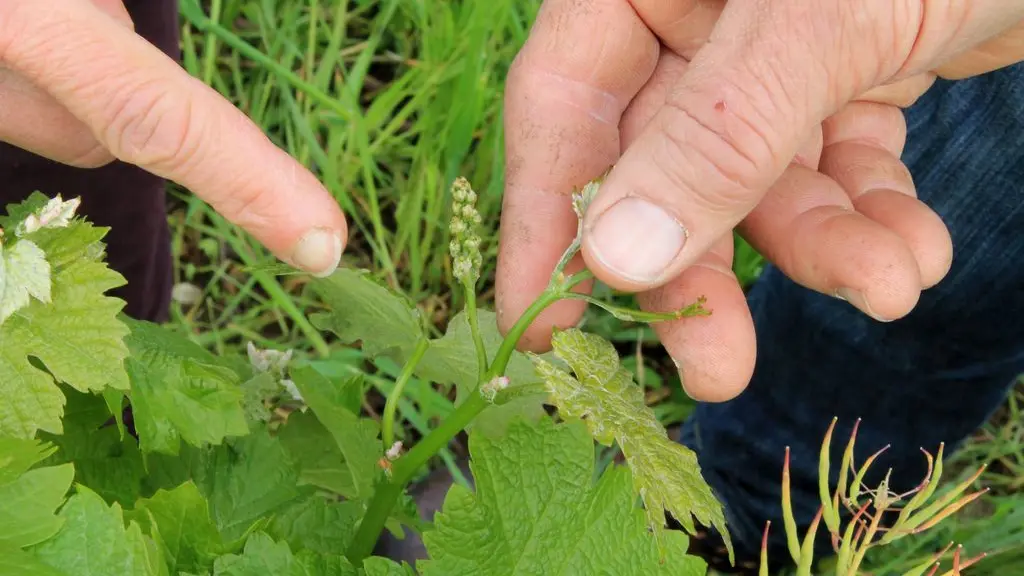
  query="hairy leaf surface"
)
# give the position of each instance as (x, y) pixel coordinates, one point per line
(537, 510)
(665, 473)
(180, 391)
(95, 541)
(180, 522)
(75, 333)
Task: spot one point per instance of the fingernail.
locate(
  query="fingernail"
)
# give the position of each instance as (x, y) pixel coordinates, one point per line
(636, 239)
(318, 253)
(857, 299)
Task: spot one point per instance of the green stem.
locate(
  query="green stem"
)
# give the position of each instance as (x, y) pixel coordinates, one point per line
(405, 467)
(391, 405)
(554, 293)
(474, 328)
(403, 470)
(516, 392)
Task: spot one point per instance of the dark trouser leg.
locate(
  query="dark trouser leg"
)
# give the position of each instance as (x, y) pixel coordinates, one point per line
(932, 377)
(127, 199)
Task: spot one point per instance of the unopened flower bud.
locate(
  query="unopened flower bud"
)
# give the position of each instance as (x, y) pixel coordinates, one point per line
(465, 240)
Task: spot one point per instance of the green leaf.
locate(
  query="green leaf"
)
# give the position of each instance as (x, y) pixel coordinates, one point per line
(15, 562)
(256, 391)
(665, 473)
(364, 311)
(356, 438)
(264, 557)
(318, 525)
(18, 455)
(537, 510)
(95, 541)
(451, 359)
(77, 337)
(320, 462)
(180, 391)
(377, 566)
(245, 482)
(24, 274)
(19, 211)
(184, 530)
(106, 462)
(28, 504)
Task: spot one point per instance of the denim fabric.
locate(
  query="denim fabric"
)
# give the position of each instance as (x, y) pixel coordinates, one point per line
(932, 377)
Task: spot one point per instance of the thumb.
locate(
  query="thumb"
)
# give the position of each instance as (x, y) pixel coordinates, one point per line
(771, 71)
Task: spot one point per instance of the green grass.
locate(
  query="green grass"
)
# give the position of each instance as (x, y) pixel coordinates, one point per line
(387, 101)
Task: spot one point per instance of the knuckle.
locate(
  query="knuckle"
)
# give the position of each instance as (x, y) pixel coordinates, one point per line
(92, 155)
(147, 124)
(723, 163)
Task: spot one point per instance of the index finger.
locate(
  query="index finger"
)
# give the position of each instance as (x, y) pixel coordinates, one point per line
(148, 111)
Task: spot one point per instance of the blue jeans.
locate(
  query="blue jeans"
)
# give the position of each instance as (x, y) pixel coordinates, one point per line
(933, 376)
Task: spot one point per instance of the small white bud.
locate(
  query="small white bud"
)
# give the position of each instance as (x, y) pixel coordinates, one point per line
(490, 390)
(292, 390)
(395, 451)
(57, 213)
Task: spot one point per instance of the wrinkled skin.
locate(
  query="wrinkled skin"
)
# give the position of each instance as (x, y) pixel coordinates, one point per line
(779, 119)
(78, 86)
(766, 115)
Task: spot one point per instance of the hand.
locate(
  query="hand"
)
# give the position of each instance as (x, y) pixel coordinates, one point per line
(78, 86)
(734, 138)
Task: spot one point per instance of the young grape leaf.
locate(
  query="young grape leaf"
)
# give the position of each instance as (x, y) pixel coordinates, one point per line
(357, 438)
(15, 562)
(245, 481)
(364, 311)
(255, 392)
(451, 359)
(18, 455)
(179, 521)
(665, 473)
(180, 391)
(537, 510)
(263, 556)
(317, 524)
(28, 504)
(320, 462)
(24, 274)
(106, 462)
(95, 540)
(77, 337)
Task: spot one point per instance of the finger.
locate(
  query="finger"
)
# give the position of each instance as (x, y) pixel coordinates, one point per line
(881, 187)
(946, 38)
(808, 227)
(651, 98)
(564, 99)
(116, 10)
(32, 120)
(149, 112)
(902, 93)
(715, 354)
(751, 97)
(683, 25)
(1001, 51)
